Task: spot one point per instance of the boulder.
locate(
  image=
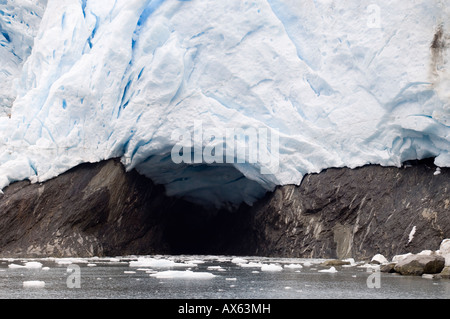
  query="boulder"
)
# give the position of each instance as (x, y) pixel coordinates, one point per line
(335, 262)
(417, 265)
(445, 273)
(388, 268)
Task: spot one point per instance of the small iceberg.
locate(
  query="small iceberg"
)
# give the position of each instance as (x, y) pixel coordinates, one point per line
(271, 267)
(293, 266)
(34, 284)
(331, 270)
(187, 274)
(28, 265)
(144, 262)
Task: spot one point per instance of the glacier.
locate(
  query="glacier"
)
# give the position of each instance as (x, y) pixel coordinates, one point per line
(342, 84)
(19, 23)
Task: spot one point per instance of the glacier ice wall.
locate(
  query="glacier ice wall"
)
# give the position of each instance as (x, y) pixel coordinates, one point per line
(343, 84)
(19, 24)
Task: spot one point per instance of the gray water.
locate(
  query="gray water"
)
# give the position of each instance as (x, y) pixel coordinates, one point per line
(112, 278)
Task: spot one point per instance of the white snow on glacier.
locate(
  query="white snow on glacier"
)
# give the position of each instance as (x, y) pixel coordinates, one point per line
(343, 84)
(19, 23)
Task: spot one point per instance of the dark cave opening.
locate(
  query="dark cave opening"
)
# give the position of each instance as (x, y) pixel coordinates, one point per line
(194, 230)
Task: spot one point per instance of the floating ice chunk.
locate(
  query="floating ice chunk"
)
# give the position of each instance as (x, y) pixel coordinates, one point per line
(68, 261)
(219, 268)
(144, 269)
(307, 264)
(129, 272)
(150, 271)
(187, 274)
(238, 260)
(331, 270)
(213, 267)
(231, 279)
(45, 268)
(351, 261)
(33, 265)
(293, 266)
(222, 259)
(370, 267)
(34, 284)
(91, 265)
(143, 262)
(28, 265)
(271, 267)
(196, 261)
(437, 172)
(251, 265)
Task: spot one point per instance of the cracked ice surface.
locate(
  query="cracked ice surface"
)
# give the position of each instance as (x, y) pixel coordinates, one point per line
(116, 78)
(19, 23)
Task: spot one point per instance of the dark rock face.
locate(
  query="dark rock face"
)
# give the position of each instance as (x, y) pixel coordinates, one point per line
(358, 213)
(100, 210)
(92, 210)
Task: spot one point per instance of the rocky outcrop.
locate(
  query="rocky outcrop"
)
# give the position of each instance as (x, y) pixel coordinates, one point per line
(388, 268)
(98, 209)
(428, 263)
(92, 210)
(417, 265)
(445, 273)
(335, 262)
(101, 210)
(357, 213)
